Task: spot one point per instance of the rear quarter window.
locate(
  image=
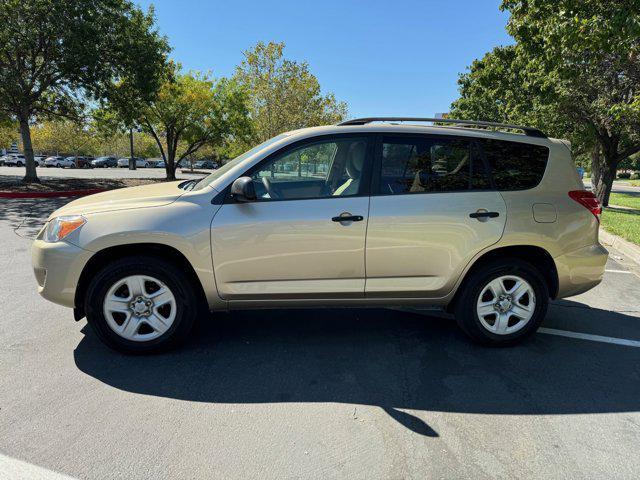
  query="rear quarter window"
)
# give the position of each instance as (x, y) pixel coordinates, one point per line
(515, 165)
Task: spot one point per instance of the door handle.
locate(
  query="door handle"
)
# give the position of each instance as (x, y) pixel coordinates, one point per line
(484, 214)
(347, 217)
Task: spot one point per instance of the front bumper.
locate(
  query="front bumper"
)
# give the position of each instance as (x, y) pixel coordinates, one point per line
(57, 267)
(580, 270)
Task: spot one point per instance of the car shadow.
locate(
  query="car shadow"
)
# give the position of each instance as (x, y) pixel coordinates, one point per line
(27, 215)
(392, 359)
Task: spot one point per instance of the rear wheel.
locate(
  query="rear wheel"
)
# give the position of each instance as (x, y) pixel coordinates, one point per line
(502, 303)
(141, 305)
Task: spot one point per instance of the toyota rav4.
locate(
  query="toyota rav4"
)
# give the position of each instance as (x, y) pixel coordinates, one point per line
(472, 218)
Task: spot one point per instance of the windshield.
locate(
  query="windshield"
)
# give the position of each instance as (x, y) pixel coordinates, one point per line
(232, 163)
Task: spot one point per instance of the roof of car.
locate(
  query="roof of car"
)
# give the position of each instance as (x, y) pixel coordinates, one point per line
(421, 129)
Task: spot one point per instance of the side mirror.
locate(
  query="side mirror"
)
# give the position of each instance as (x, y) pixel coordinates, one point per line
(243, 190)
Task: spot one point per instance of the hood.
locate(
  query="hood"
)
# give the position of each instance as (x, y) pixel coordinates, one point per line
(154, 195)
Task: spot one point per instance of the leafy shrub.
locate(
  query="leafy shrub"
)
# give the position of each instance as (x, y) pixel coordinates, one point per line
(624, 175)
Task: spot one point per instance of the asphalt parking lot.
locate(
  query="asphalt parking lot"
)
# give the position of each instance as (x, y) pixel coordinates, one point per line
(44, 172)
(325, 393)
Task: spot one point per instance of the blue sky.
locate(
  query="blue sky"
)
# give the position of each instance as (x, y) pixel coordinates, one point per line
(388, 57)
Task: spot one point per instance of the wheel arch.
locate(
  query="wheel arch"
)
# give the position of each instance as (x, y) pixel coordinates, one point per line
(107, 255)
(534, 255)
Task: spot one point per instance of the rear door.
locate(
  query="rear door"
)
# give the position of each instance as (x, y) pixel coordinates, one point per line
(432, 209)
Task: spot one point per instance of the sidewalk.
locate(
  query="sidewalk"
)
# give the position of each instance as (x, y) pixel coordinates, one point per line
(629, 250)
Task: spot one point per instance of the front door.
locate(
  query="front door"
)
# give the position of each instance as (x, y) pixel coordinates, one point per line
(304, 237)
(431, 211)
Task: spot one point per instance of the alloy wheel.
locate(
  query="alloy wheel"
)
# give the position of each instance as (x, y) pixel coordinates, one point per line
(139, 308)
(506, 304)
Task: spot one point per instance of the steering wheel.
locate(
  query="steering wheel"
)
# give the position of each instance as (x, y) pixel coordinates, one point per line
(270, 188)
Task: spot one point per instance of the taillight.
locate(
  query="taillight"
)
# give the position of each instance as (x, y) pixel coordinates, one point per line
(588, 200)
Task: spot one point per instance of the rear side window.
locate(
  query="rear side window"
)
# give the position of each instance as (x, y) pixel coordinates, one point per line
(515, 165)
(429, 164)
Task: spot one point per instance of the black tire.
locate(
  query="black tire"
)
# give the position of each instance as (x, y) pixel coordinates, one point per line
(187, 303)
(465, 308)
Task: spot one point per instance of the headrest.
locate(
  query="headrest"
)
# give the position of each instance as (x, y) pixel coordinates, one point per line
(355, 159)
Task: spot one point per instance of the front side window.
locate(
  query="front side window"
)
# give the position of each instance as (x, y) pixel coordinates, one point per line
(425, 164)
(327, 168)
(236, 161)
(515, 165)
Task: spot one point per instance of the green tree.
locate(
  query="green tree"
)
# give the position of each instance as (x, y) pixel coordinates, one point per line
(144, 145)
(8, 133)
(192, 110)
(57, 55)
(502, 87)
(632, 163)
(62, 137)
(112, 136)
(573, 72)
(284, 94)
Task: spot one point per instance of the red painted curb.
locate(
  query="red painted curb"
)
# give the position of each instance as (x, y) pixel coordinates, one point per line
(68, 193)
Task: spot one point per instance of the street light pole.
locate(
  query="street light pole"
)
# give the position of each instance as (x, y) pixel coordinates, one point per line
(132, 161)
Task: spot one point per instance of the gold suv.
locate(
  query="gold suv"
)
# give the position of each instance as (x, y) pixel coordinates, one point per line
(485, 224)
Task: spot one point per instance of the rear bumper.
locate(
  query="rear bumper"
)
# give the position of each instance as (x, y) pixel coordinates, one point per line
(57, 267)
(580, 270)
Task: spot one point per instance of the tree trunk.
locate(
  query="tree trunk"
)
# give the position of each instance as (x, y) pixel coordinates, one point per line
(604, 166)
(170, 162)
(132, 160)
(170, 165)
(31, 176)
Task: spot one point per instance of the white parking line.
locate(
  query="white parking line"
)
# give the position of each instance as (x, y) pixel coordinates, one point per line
(19, 470)
(588, 336)
(618, 271)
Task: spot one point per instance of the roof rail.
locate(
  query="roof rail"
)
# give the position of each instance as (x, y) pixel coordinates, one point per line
(529, 131)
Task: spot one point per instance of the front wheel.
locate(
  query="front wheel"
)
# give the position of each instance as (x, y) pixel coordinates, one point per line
(141, 305)
(503, 302)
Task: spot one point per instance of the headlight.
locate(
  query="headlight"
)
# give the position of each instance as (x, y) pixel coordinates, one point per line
(59, 227)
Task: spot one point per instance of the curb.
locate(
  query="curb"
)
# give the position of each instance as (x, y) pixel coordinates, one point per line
(67, 193)
(631, 250)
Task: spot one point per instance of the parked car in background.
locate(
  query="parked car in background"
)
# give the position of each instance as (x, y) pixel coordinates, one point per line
(104, 162)
(67, 162)
(83, 162)
(161, 164)
(53, 161)
(14, 160)
(207, 164)
(487, 225)
(140, 162)
(18, 160)
(153, 162)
